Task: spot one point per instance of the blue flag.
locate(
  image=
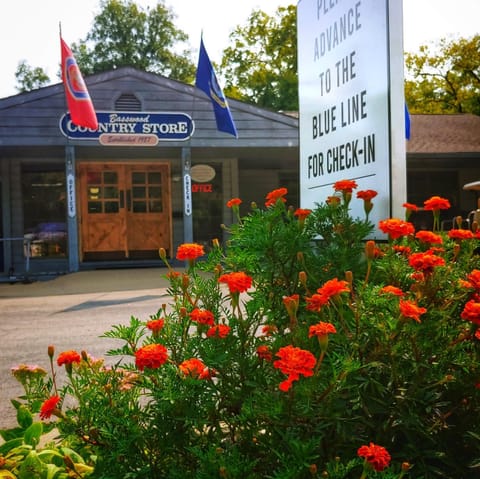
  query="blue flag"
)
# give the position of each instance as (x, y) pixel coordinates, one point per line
(206, 80)
(407, 123)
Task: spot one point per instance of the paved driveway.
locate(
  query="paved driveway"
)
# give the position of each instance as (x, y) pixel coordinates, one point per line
(69, 312)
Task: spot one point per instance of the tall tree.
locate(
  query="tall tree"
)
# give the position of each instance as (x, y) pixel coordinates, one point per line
(123, 34)
(30, 78)
(261, 65)
(444, 78)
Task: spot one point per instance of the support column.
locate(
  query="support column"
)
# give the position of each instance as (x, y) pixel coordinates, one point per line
(72, 218)
(187, 196)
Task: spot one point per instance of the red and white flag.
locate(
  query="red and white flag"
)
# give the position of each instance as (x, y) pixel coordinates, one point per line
(79, 102)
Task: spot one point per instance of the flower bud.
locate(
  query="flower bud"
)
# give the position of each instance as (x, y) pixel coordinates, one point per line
(370, 250)
(216, 243)
(302, 277)
(51, 351)
(162, 253)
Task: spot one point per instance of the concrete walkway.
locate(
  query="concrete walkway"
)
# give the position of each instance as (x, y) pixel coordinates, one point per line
(94, 281)
(70, 312)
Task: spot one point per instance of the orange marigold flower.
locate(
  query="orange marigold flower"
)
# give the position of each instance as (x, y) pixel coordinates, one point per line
(68, 358)
(155, 325)
(345, 186)
(460, 234)
(193, 368)
(425, 262)
(189, 251)
(333, 200)
(436, 203)
(294, 362)
(48, 407)
(264, 352)
(316, 302)
(234, 202)
(236, 282)
(151, 356)
(22, 372)
(465, 284)
(276, 195)
(333, 287)
(302, 213)
(428, 237)
(321, 329)
(477, 334)
(172, 275)
(410, 206)
(269, 329)
(410, 309)
(218, 331)
(402, 249)
(474, 279)
(377, 456)
(392, 290)
(396, 228)
(202, 316)
(291, 303)
(366, 195)
(418, 276)
(471, 312)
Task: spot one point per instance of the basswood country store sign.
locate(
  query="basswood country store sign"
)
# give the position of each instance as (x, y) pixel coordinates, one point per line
(132, 128)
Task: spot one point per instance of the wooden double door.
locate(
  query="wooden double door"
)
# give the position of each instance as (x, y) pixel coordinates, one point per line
(125, 210)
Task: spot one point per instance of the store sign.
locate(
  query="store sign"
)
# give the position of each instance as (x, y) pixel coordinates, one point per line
(202, 188)
(132, 128)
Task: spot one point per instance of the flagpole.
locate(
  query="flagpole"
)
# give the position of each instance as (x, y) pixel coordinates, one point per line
(70, 187)
(187, 183)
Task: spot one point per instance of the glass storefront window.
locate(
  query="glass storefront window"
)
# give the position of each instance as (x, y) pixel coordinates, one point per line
(44, 212)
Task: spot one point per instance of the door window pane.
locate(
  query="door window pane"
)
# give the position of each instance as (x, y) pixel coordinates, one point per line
(138, 177)
(110, 192)
(155, 178)
(110, 177)
(102, 192)
(138, 191)
(139, 207)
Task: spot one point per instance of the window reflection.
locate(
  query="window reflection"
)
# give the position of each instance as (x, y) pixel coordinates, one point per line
(44, 212)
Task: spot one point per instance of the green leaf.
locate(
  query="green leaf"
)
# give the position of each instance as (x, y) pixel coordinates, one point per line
(24, 417)
(33, 433)
(6, 447)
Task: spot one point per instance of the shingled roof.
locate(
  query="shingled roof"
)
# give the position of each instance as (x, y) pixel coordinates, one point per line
(435, 134)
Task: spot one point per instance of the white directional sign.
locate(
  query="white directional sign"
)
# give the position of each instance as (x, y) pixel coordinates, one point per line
(344, 58)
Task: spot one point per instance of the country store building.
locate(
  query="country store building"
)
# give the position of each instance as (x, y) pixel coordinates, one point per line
(75, 200)
(126, 190)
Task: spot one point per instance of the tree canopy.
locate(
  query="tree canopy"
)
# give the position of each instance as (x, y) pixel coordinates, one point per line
(261, 64)
(30, 78)
(444, 78)
(123, 34)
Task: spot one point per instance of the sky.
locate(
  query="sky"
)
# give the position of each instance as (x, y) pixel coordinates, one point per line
(30, 28)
